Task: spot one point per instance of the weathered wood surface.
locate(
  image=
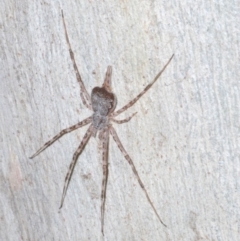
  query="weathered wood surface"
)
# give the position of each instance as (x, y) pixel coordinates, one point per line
(184, 139)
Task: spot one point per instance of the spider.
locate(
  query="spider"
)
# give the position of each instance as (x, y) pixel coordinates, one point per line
(102, 102)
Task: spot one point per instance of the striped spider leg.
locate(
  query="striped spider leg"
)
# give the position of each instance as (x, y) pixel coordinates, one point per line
(102, 102)
(83, 92)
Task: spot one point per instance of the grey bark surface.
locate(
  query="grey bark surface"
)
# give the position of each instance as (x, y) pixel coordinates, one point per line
(184, 140)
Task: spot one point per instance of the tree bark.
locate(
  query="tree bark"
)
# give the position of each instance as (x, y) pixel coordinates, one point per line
(184, 140)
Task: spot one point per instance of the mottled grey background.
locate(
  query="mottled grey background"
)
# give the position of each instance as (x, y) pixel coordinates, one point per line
(184, 139)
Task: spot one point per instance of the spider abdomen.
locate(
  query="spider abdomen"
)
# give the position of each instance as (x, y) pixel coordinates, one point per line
(99, 121)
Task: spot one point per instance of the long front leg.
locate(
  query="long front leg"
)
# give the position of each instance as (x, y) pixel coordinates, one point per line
(104, 137)
(84, 94)
(132, 102)
(127, 157)
(61, 133)
(74, 160)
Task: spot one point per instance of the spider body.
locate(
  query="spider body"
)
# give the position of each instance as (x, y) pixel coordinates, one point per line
(102, 102)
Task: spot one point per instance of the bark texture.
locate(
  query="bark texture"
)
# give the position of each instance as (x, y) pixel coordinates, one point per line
(184, 140)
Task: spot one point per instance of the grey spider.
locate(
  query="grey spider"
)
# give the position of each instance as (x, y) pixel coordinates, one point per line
(102, 102)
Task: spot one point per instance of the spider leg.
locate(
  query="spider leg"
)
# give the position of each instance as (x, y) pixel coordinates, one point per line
(133, 101)
(74, 160)
(104, 141)
(107, 80)
(127, 157)
(84, 94)
(124, 120)
(88, 105)
(61, 133)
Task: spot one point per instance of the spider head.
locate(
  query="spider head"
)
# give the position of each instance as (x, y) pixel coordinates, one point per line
(103, 101)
